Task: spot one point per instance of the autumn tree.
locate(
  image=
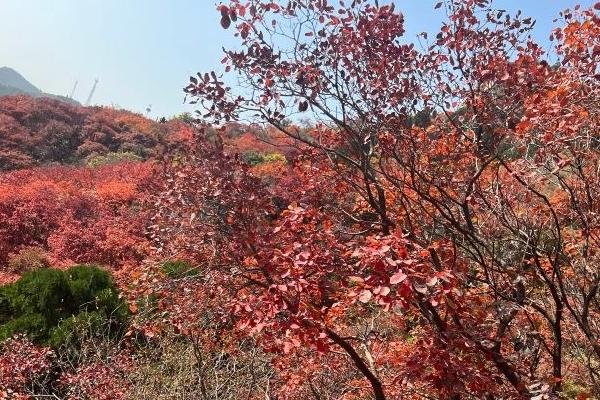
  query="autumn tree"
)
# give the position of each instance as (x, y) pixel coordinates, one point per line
(485, 223)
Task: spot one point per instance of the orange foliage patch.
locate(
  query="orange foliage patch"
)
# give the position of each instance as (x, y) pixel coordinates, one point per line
(77, 215)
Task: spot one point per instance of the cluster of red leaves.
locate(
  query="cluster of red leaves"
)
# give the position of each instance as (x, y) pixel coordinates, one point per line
(76, 215)
(99, 380)
(28, 371)
(451, 258)
(38, 131)
(22, 366)
(307, 280)
(262, 141)
(478, 224)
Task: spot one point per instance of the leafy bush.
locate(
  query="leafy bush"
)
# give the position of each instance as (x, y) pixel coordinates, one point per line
(186, 118)
(46, 304)
(77, 329)
(254, 158)
(274, 157)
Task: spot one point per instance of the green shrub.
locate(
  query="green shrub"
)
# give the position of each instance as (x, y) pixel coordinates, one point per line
(253, 158)
(35, 325)
(74, 330)
(186, 118)
(44, 291)
(112, 158)
(45, 303)
(274, 157)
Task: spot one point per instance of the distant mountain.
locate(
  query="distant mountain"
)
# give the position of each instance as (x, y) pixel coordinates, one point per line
(10, 91)
(10, 77)
(12, 83)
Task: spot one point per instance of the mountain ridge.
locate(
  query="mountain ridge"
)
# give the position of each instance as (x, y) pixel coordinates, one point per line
(13, 83)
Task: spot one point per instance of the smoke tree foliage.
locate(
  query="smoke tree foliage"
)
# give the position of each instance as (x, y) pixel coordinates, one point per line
(85, 215)
(42, 131)
(443, 231)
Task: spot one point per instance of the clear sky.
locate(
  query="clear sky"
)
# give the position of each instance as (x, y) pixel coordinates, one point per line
(143, 51)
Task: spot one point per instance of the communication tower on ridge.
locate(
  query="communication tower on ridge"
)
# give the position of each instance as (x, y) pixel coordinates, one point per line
(73, 90)
(89, 99)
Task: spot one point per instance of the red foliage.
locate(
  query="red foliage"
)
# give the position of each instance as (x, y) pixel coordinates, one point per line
(77, 215)
(263, 141)
(436, 238)
(38, 131)
(99, 380)
(22, 366)
(467, 173)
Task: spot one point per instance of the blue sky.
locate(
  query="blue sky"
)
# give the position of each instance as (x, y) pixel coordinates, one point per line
(143, 51)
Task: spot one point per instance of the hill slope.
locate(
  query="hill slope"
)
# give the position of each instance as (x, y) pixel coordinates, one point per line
(10, 91)
(12, 83)
(10, 77)
(40, 131)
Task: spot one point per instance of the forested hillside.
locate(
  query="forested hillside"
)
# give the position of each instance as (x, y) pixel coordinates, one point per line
(42, 131)
(361, 217)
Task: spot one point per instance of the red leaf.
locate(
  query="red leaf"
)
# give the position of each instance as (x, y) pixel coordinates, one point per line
(365, 296)
(432, 281)
(397, 278)
(421, 289)
(225, 21)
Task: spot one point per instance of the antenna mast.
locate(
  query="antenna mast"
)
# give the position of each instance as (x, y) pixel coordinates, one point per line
(89, 99)
(73, 91)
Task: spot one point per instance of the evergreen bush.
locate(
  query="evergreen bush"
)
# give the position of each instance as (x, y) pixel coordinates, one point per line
(48, 304)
